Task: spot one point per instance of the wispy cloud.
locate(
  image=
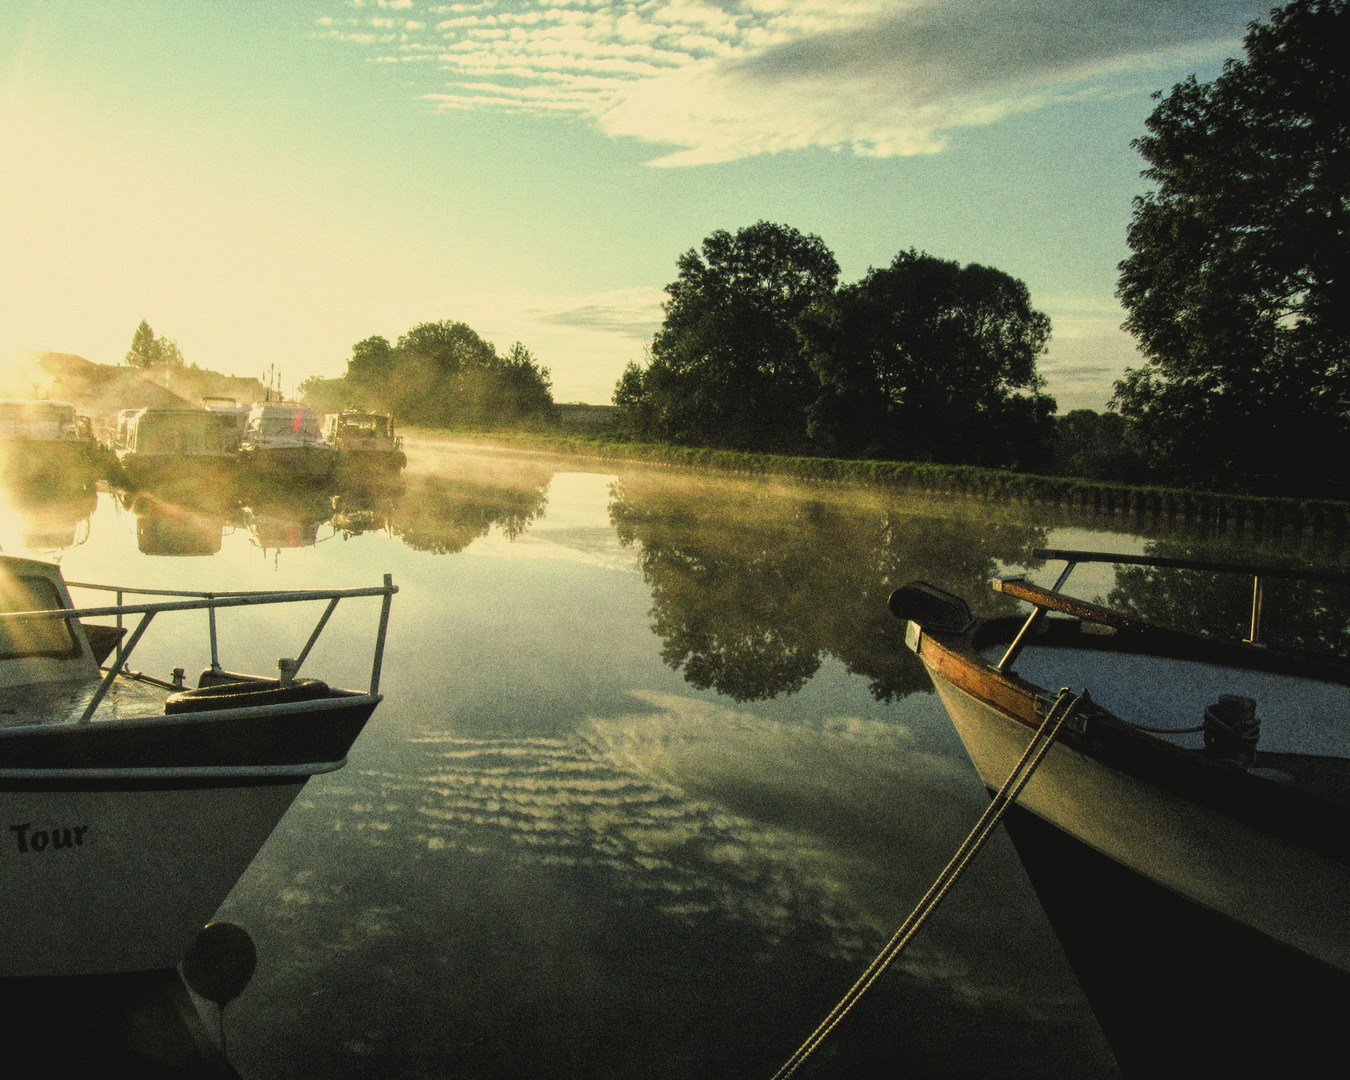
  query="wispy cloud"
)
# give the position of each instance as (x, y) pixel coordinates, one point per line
(734, 78)
(634, 313)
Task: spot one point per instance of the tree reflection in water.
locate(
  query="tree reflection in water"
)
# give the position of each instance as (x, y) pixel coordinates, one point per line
(445, 514)
(754, 584)
(1301, 615)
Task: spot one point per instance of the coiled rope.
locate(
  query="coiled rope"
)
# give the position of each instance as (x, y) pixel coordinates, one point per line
(1061, 710)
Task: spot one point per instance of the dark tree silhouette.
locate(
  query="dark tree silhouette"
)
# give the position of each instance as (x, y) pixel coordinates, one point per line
(928, 360)
(727, 367)
(924, 359)
(1238, 287)
(1098, 446)
(149, 351)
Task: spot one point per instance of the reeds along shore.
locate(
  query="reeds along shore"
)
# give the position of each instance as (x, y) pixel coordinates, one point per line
(1256, 513)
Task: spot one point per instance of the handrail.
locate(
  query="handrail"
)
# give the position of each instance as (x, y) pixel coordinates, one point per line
(1073, 557)
(1190, 564)
(210, 603)
(218, 601)
(167, 592)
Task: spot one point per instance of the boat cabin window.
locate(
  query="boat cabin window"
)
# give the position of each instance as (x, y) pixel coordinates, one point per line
(33, 637)
(290, 424)
(368, 426)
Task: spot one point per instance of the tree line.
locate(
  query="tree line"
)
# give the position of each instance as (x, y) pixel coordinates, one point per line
(440, 374)
(1237, 290)
(761, 349)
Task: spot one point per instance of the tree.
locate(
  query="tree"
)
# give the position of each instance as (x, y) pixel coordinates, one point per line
(727, 367)
(1096, 446)
(443, 373)
(149, 351)
(1238, 285)
(927, 359)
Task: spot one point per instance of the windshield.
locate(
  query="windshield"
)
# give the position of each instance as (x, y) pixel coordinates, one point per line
(296, 423)
(33, 637)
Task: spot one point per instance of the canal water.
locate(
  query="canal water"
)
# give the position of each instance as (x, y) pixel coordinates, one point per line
(654, 777)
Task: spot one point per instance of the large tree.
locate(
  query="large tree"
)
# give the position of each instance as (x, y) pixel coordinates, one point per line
(1238, 287)
(443, 373)
(727, 366)
(927, 359)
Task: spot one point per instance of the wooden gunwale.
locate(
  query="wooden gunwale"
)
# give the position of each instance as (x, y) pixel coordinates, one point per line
(1284, 811)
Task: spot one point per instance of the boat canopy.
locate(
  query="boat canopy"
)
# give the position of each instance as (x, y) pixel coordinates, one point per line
(283, 420)
(358, 424)
(170, 431)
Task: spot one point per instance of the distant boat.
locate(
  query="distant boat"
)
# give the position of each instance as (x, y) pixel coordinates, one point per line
(283, 442)
(131, 805)
(157, 446)
(233, 419)
(367, 448)
(1189, 831)
(45, 446)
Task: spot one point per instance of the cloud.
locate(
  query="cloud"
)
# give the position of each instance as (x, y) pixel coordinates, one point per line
(742, 77)
(634, 313)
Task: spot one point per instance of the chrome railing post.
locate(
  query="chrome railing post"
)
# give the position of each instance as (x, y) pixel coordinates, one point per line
(379, 637)
(211, 621)
(318, 629)
(1257, 598)
(113, 671)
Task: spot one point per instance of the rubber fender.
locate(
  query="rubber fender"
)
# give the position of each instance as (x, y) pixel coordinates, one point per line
(244, 695)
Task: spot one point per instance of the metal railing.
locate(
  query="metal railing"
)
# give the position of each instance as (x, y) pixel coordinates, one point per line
(1258, 573)
(211, 602)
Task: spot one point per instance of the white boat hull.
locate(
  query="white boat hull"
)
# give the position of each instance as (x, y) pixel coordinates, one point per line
(109, 881)
(1294, 896)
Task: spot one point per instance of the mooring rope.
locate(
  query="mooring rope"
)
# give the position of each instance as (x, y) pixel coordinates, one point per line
(1061, 710)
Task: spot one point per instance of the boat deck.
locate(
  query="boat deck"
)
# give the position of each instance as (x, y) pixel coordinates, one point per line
(1298, 715)
(42, 704)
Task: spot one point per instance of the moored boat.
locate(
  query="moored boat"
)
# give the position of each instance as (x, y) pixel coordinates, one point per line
(1188, 831)
(367, 448)
(133, 804)
(232, 417)
(46, 447)
(282, 442)
(165, 446)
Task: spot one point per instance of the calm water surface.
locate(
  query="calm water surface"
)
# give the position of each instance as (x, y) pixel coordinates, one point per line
(653, 780)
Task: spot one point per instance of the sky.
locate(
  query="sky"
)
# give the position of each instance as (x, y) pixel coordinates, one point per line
(268, 182)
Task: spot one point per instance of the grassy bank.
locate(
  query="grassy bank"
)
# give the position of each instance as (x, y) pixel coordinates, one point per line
(1237, 511)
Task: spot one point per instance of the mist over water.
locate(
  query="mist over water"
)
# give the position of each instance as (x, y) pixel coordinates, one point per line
(653, 779)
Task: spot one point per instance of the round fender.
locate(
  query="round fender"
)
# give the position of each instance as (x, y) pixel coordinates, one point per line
(244, 695)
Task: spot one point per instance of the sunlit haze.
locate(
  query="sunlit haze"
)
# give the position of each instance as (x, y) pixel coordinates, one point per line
(269, 183)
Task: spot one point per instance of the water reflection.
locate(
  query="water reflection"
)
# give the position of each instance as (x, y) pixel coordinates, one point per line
(671, 892)
(287, 517)
(570, 846)
(189, 521)
(753, 584)
(46, 523)
(364, 509)
(1300, 615)
(445, 514)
